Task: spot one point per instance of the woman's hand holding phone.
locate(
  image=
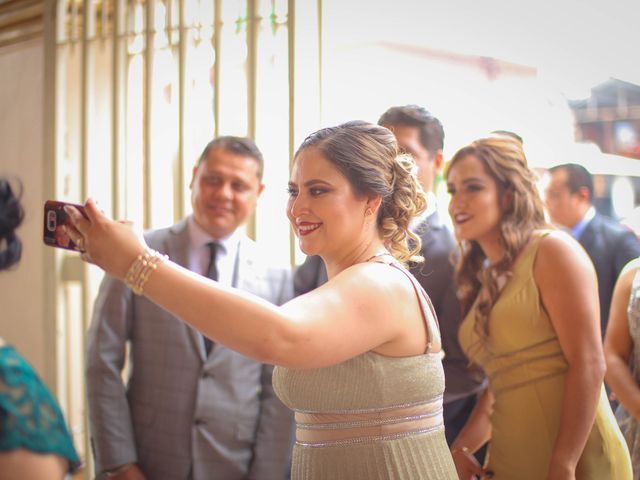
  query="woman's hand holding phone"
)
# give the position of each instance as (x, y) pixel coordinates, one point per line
(111, 245)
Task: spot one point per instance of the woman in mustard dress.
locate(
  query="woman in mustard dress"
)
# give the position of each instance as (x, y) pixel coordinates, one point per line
(529, 294)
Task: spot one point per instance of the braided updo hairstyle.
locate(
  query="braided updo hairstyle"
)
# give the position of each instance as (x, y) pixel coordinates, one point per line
(11, 215)
(367, 155)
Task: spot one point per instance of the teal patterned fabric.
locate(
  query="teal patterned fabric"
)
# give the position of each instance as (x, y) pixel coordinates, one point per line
(30, 417)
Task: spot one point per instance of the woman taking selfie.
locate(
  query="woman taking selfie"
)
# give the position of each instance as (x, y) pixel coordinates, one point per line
(359, 358)
(532, 323)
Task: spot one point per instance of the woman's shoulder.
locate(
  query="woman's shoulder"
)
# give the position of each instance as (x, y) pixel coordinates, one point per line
(370, 273)
(631, 268)
(374, 279)
(557, 249)
(629, 273)
(557, 242)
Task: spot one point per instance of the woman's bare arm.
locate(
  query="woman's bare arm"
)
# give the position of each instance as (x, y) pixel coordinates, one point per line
(23, 463)
(567, 283)
(475, 433)
(618, 345)
(365, 307)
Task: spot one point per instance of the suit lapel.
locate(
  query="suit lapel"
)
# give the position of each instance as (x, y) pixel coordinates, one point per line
(245, 276)
(178, 250)
(178, 244)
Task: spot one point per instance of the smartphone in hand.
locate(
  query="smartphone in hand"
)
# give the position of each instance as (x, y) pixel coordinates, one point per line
(54, 219)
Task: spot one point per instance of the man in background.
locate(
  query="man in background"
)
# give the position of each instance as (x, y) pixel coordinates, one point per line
(191, 409)
(569, 201)
(420, 134)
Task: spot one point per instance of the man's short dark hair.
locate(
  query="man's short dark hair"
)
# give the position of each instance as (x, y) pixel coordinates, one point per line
(237, 145)
(431, 131)
(509, 133)
(577, 177)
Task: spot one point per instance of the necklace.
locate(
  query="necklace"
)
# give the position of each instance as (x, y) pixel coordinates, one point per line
(381, 254)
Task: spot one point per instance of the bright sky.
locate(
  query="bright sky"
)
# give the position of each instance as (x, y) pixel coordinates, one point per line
(573, 43)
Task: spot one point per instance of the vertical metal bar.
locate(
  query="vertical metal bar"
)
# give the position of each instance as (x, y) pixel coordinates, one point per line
(61, 17)
(103, 18)
(87, 21)
(116, 179)
(291, 44)
(320, 59)
(252, 64)
(146, 128)
(84, 100)
(178, 209)
(169, 22)
(217, 33)
(49, 163)
(74, 20)
(252, 60)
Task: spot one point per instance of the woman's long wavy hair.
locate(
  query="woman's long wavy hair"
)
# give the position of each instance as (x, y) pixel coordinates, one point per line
(367, 155)
(504, 161)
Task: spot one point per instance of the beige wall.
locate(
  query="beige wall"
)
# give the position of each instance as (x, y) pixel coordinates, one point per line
(23, 314)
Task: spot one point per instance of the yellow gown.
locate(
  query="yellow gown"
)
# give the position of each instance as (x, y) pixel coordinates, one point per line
(526, 369)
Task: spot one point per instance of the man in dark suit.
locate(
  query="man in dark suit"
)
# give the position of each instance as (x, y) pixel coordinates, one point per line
(190, 410)
(569, 201)
(420, 134)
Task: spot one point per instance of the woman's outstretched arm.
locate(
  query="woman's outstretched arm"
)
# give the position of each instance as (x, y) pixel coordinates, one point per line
(352, 314)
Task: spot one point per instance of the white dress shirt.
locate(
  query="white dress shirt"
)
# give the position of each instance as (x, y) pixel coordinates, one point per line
(200, 253)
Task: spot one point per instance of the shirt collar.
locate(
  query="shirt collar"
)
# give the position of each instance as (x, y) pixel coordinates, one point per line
(198, 237)
(578, 229)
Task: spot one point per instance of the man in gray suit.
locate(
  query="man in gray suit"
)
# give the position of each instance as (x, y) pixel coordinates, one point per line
(420, 134)
(191, 409)
(569, 201)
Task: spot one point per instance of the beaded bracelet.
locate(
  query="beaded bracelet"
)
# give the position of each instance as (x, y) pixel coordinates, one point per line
(142, 268)
(464, 450)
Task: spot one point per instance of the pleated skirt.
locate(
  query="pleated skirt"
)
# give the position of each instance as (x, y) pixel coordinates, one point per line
(422, 456)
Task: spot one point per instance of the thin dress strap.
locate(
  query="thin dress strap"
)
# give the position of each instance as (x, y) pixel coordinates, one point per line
(423, 300)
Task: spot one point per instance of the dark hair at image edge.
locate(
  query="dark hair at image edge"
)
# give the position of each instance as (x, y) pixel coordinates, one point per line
(11, 216)
(367, 155)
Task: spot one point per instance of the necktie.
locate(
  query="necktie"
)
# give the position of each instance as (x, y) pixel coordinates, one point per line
(212, 273)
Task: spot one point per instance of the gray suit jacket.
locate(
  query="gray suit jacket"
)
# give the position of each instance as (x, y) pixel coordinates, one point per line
(611, 246)
(181, 415)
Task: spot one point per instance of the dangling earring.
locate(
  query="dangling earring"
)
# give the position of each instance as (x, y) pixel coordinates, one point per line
(368, 212)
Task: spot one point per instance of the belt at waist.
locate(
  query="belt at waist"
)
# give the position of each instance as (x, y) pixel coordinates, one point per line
(527, 372)
(317, 429)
